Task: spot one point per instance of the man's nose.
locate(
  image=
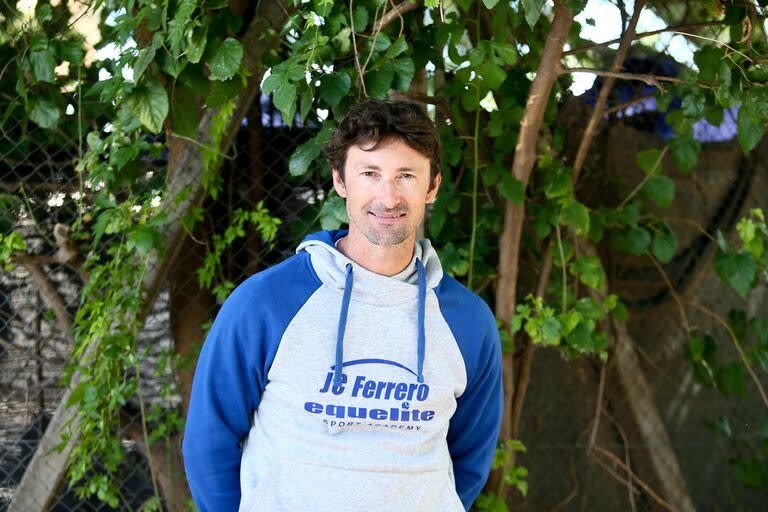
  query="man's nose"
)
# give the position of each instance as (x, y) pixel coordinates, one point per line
(389, 194)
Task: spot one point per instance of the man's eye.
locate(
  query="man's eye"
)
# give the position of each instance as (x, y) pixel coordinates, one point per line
(369, 173)
(409, 176)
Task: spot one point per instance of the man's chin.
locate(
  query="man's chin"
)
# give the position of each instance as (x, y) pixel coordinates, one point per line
(384, 238)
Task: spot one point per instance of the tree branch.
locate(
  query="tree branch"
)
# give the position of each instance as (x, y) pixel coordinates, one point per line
(643, 35)
(514, 214)
(49, 293)
(647, 488)
(652, 80)
(605, 91)
(397, 12)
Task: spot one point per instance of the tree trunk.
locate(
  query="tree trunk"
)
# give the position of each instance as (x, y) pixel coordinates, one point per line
(514, 214)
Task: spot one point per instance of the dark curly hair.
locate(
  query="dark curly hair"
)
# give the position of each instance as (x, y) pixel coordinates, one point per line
(377, 121)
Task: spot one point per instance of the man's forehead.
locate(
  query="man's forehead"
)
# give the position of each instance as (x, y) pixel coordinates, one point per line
(373, 156)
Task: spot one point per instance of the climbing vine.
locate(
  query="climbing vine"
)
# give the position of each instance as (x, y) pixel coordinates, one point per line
(474, 65)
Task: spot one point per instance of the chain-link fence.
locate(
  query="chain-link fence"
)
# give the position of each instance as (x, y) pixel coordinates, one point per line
(39, 168)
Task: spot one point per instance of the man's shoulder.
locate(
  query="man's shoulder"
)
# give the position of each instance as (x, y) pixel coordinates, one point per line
(290, 281)
(457, 299)
(471, 321)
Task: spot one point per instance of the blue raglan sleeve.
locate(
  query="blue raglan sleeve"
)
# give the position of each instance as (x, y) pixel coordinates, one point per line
(474, 427)
(231, 374)
(225, 394)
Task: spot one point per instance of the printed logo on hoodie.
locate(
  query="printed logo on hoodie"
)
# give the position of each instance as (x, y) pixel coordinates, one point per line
(404, 416)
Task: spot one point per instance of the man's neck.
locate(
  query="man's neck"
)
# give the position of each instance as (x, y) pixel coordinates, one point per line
(386, 260)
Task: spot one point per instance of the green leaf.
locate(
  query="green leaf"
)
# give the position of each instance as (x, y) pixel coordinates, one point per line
(588, 308)
(334, 87)
(533, 10)
(737, 269)
(660, 190)
(693, 105)
(144, 238)
(38, 41)
(378, 81)
(558, 183)
(544, 330)
(576, 215)
(580, 338)
(507, 53)
(730, 379)
(490, 4)
(222, 92)
(405, 70)
(306, 153)
(71, 52)
(590, 271)
(333, 213)
(492, 74)
(303, 157)
(634, 240)
(185, 116)
(43, 65)
(664, 244)
(511, 188)
(226, 59)
(711, 63)
(751, 125)
(685, 150)
(360, 18)
(285, 101)
(150, 104)
(648, 160)
(44, 112)
(398, 47)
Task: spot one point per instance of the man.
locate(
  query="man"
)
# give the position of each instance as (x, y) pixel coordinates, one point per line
(355, 375)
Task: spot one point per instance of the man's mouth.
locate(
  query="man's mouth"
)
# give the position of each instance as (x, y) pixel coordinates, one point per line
(387, 215)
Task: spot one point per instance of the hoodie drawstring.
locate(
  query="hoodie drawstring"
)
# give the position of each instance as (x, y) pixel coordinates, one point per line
(342, 326)
(421, 344)
(421, 347)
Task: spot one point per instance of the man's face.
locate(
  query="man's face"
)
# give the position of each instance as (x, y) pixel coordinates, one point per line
(386, 191)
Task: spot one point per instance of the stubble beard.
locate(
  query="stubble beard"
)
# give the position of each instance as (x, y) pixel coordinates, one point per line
(382, 235)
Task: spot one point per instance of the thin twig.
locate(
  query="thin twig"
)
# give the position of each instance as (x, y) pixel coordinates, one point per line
(652, 80)
(616, 476)
(354, 45)
(608, 455)
(701, 228)
(605, 91)
(645, 179)
(627, 104)
(598, 408)
(376, 34)
(643, 35)
(630, 488)
(396, 12)
(672, 290)
(713, 40)
(49, 293)
(736, 344)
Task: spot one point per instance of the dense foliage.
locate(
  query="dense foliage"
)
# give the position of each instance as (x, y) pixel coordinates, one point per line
(473, 63)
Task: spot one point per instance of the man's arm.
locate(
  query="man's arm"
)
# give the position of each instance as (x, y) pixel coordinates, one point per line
(225, 393)
(231, 375)
(474, 427)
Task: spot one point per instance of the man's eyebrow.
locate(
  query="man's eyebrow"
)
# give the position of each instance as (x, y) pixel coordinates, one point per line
(373, 167)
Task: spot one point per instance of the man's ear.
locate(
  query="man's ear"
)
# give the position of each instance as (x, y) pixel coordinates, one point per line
(432, 193)
(338, 183)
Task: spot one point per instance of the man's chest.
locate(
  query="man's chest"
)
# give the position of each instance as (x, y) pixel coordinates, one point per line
(379, 388)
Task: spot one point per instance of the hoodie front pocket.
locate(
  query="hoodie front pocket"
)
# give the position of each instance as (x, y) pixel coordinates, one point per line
(295, 486)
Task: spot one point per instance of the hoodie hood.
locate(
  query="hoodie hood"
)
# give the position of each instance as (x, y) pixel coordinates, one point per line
(369, 287)
(337, 271)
